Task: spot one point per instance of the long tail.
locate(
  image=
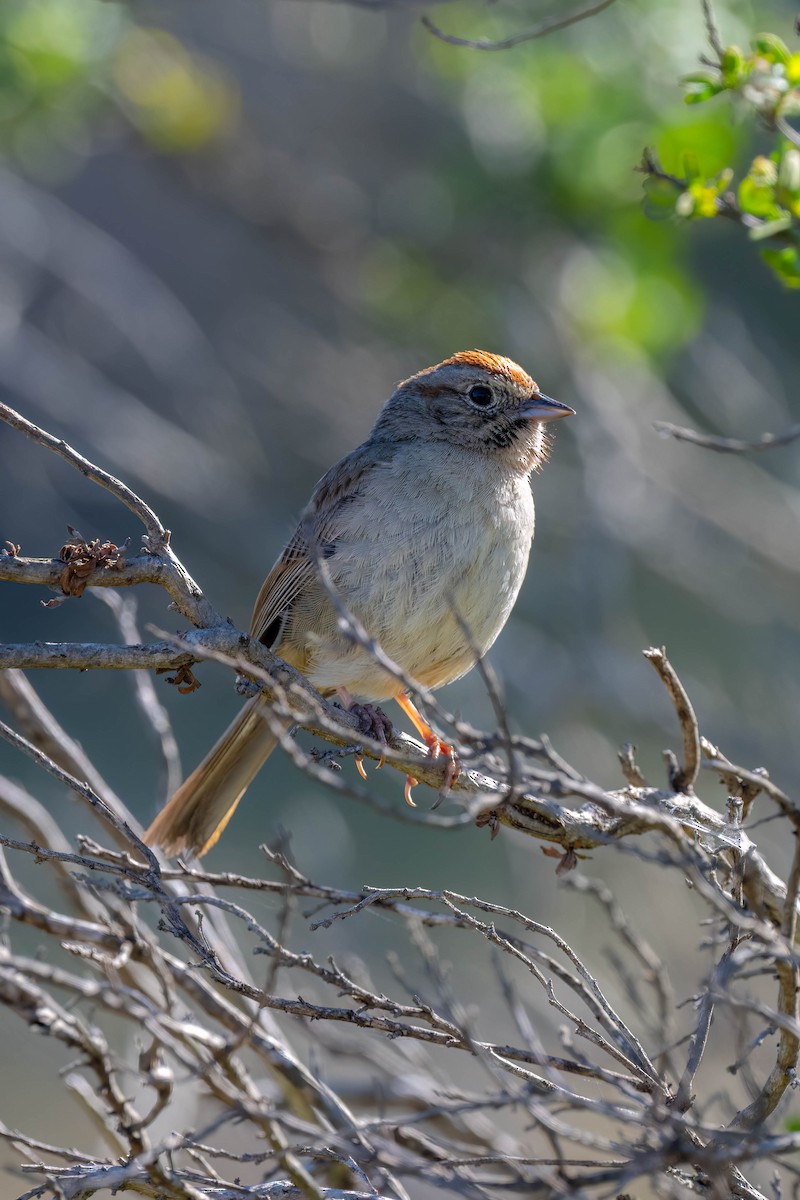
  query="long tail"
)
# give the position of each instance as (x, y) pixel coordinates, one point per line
(200, 809)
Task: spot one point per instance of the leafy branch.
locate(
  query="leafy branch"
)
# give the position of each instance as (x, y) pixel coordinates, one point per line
(765, 201)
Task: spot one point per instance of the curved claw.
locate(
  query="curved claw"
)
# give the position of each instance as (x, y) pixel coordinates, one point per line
(453, 772)
(374, 724)
(436, 747)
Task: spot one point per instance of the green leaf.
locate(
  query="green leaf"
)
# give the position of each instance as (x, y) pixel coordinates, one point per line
(701, 86)
(698, 92)
(772, 48)
(771, 228)
(691, 166)
(757, 199)
(707, 134)
(785, 263)
(733, 66)
(661, 197)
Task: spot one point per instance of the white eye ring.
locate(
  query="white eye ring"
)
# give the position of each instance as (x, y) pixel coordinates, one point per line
(481, 396)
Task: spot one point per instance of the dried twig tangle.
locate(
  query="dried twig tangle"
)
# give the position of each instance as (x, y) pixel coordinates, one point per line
(590, 1101)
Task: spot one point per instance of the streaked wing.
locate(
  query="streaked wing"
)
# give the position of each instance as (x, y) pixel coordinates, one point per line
(294, 572)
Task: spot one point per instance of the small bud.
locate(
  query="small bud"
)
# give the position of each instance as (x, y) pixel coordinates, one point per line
(732, 65)
(771, 47)
(684, 205)
(763, 172)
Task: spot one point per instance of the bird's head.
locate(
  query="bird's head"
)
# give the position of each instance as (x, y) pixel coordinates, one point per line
(477, 400)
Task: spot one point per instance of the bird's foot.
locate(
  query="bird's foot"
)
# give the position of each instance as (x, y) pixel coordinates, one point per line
(436, 748)
(373, 723)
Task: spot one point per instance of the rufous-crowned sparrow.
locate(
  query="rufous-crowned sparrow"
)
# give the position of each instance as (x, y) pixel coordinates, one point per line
(425, 531)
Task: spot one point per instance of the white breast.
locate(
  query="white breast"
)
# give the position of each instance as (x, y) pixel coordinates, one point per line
(434, 548)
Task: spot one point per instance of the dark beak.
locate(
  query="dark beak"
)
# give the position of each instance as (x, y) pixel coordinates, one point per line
(543, 408)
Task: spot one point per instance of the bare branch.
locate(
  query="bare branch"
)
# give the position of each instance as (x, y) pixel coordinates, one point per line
(154, 712)
(784, 1073)
(553, 25)
(163, 569)
(167, 570)
(727, 445)
(158, 535)
(355, 1096)
(630, 767)
(712, 28)
(684, 779)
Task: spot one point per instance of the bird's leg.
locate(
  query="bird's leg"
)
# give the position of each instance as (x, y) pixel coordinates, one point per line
(373, 721)
(434, 743)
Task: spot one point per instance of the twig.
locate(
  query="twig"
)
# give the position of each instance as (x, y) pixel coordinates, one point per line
(527, 35)
(651, 966)
(684, 1099)
(726, 205)
(72, 929)
(682, 780)
(431, 1024)
(757, 779)
(158, 535)
(117, 824)
(629, 765)
(727, 445)
(789, 132)
(154, 712)
(784, 1073)
(172, 574)
(712, 29)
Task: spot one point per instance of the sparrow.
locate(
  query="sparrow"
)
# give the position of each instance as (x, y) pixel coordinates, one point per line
(425, 531)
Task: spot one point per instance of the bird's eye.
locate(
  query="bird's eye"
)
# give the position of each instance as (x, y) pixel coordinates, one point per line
(480, 395)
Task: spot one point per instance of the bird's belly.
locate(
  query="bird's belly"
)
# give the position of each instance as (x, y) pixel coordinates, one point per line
(434, 602)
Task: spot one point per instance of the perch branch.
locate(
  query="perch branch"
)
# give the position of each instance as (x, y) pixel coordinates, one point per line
(162, 569)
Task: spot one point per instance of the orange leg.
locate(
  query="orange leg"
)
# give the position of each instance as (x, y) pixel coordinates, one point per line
(434, 743)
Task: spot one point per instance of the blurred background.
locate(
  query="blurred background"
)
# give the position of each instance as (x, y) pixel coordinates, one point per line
(228, 229)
